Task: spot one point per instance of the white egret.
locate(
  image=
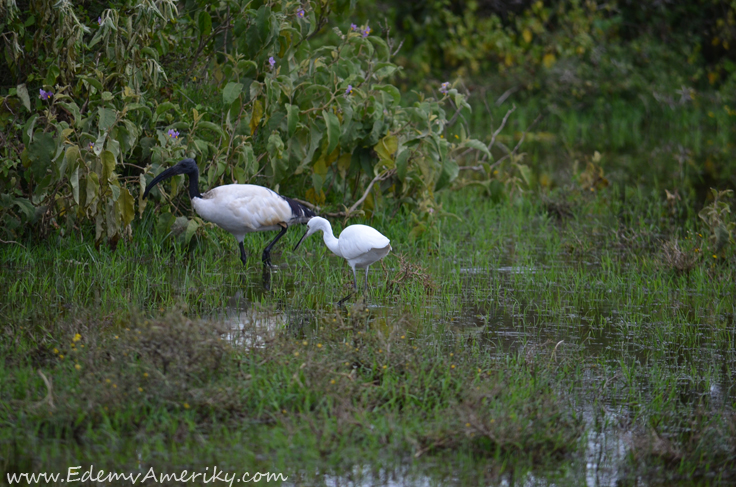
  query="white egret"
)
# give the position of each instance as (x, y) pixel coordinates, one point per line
(239, 208)
(360, 245)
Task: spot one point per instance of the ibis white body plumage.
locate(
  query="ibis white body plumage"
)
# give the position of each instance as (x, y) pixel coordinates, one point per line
(239, 208)
(360, 245)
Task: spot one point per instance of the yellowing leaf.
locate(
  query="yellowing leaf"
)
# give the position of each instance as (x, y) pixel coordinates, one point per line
(256, 117)
(548, 60)
(386, 147)
(126, 205)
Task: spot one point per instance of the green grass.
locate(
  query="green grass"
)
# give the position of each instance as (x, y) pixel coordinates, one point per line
(506, 340)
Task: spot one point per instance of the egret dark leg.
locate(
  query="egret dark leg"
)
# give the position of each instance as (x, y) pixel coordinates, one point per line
(243, 257)
(266, 258)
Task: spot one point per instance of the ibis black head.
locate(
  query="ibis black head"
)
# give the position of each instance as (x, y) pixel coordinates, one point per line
(185, 166)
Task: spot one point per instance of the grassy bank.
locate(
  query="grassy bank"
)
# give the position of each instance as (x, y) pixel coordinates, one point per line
(516, 338)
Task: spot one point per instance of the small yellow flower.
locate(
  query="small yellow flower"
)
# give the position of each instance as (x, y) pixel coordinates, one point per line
(452, 366)
(61, 356)
(115, 386)
(452, 354)
(304, 342)
(385, 366)
(56, 350)
(402, 337)
(479, 371)
(77, 366)
(456, 136)
(77, 337)
(145, 374)
(442, 136)
(493, 421)
(379, 350)
(346, 363)
(186, 405)
(332, 381)
(107, 380)
(414, 347)
(467, 425)
(283, 411)
(319, 345)
(296, 354)
(715, 256)
(116, 337)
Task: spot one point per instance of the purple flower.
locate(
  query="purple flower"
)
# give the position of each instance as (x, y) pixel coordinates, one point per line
(45, 95)
(91, 145)
(349, 90)
(353, 27)
(366, 31)
(174, 134)
(300, 13)
(99, 20)
(272, 62)
(445, 86)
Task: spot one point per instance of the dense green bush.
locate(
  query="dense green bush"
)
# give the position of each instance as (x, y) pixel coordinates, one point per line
(136, 86)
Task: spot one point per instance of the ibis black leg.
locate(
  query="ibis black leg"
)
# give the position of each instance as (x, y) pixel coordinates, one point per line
(266, 258)
(342, 301)
(243, 257)
(266, 277)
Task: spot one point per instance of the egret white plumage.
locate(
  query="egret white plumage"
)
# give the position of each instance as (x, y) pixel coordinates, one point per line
(239, 208)
(360, 245)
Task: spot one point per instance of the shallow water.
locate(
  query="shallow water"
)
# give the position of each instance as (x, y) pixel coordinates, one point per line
(489, 309)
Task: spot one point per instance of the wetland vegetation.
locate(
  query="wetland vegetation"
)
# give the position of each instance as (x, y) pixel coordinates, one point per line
(516, 342)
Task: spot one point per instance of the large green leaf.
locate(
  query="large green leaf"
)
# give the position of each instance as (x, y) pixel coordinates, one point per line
(22, 92)
(212, 126)
(292, 118)
(478, 145)
(108, 164)
(231, 92)
(107, 119)
(333, 130)
(204, 23)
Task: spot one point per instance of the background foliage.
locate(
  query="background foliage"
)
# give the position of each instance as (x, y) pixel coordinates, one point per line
(344, 106)
(130, 88)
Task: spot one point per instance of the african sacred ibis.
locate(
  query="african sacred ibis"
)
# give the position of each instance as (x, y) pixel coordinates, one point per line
(239, 208)
(360, 245)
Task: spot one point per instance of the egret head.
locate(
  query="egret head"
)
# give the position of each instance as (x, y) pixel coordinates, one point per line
(313, 225)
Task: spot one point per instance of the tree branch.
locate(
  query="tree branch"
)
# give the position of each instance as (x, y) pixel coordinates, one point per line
(521, 141)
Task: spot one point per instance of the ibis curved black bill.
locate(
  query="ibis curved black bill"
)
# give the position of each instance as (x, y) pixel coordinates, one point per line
(185, 166)
(301, 240)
